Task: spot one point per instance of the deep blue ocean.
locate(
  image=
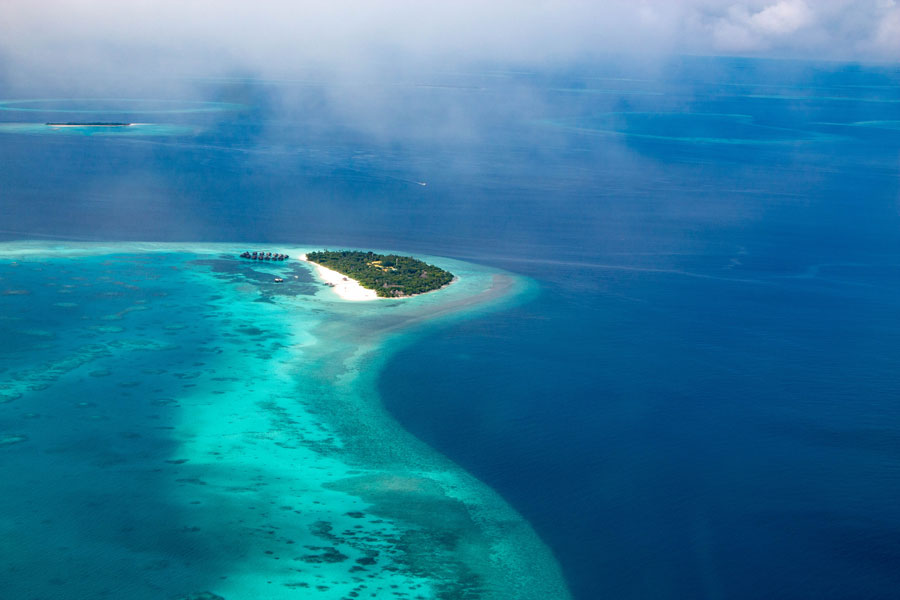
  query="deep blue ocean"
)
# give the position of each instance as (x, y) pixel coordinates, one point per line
(703, 398)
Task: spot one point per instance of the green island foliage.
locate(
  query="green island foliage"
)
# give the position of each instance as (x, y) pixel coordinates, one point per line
(389, 275)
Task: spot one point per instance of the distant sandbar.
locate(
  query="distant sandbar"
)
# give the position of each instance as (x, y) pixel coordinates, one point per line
(90, 124)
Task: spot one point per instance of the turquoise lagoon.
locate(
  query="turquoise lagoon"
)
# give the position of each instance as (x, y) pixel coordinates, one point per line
(174, 424)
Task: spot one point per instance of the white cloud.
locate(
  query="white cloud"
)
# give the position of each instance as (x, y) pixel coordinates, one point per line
(734, 38)
(782, 18)
(743, 29)
(187, 36)
(887, 37)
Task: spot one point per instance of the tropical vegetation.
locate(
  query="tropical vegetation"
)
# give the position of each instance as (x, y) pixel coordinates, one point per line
(390, 275)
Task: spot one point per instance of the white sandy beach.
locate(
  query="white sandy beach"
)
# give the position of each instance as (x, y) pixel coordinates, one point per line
(346, 288)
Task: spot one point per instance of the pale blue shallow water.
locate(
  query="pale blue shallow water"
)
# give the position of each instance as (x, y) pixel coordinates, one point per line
(175, 424)
(700, 401)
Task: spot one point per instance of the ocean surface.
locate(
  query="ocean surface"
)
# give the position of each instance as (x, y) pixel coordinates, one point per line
(691, 391)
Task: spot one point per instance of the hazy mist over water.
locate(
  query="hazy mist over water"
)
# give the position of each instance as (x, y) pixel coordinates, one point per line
(700, 402)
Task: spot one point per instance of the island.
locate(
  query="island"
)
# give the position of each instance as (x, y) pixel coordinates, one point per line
(388, 275)
(90, 124)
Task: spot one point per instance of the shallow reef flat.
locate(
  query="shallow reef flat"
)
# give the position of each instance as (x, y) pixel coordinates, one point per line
(174, 424)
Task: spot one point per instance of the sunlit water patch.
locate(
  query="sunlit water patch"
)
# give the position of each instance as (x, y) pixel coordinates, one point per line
(687, 127)
(176, 424)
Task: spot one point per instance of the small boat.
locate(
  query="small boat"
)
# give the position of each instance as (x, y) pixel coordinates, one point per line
(279, 280)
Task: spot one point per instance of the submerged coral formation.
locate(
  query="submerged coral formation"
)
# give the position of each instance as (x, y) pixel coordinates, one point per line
(226, 435)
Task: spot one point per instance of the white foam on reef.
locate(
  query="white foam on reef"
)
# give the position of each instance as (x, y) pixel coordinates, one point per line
(284, 456)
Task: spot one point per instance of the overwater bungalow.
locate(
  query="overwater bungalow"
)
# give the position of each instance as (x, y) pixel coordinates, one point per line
(262, 255)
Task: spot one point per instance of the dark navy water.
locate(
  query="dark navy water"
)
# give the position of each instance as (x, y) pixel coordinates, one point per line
(701, 401)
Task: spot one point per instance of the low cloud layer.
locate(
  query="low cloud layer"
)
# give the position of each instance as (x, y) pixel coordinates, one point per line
(278, 37)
